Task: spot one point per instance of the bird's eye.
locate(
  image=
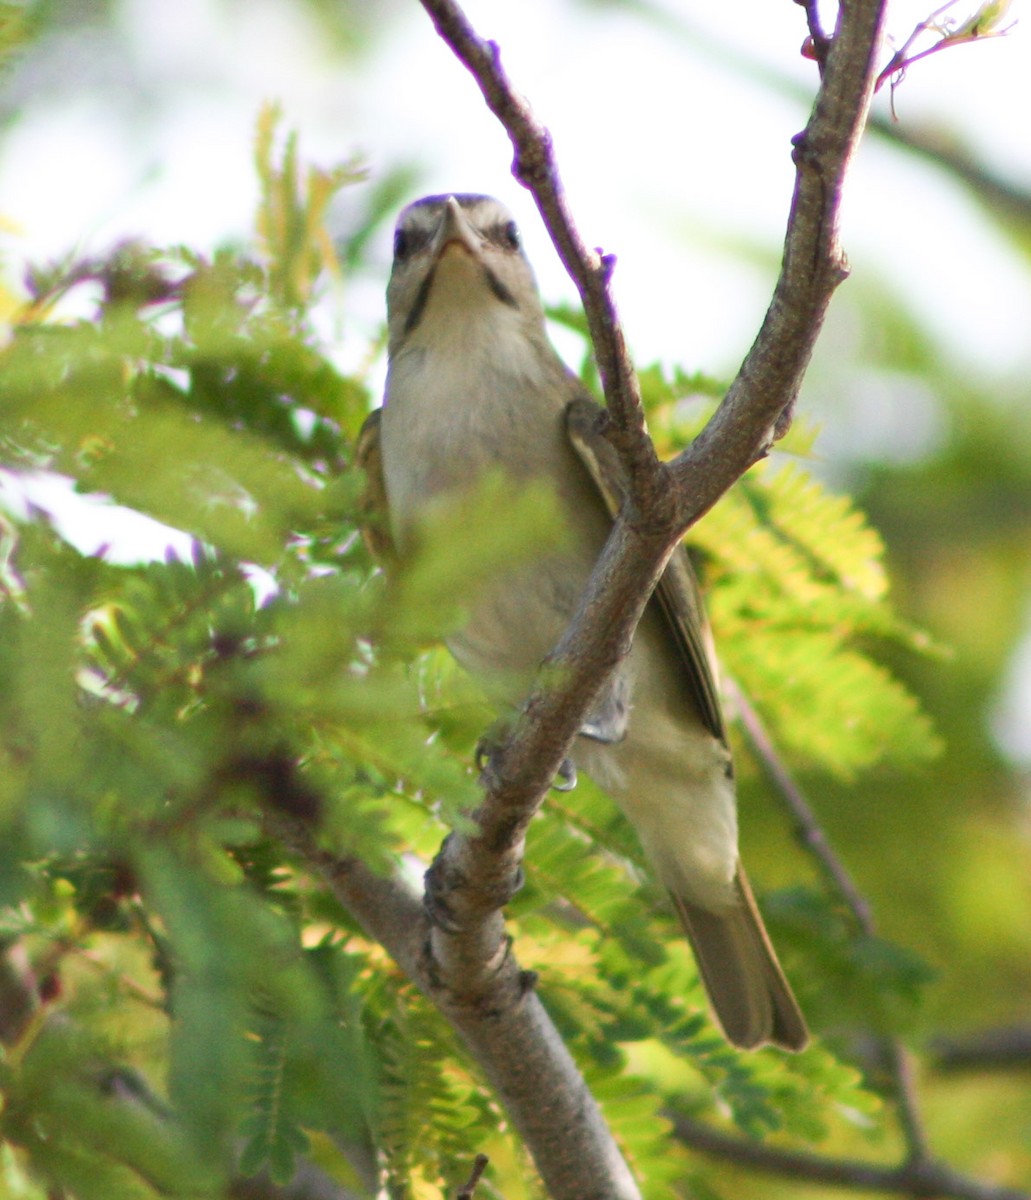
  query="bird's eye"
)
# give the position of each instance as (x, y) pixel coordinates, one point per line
(402, 245)
(511, 237)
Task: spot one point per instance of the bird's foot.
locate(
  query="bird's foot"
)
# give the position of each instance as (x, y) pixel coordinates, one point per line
(565, 780)
(489, 747)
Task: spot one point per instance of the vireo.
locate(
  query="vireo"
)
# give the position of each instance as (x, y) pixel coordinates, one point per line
(474, 384)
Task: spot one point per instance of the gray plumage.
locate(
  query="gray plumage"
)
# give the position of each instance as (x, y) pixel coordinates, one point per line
(473, 383)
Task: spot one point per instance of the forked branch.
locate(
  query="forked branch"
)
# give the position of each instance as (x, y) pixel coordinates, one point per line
(468, 969)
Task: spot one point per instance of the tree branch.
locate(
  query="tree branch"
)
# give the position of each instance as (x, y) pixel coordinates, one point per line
(807, 828)
(1007, 1049)
(911, 1179)
(498, 1016)
(811, 835)
(757, 409)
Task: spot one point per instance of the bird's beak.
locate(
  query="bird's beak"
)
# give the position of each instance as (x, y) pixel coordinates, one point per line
(455, 230)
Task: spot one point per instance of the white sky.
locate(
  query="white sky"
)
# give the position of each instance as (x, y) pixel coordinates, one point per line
(663, 151)
(666, 155)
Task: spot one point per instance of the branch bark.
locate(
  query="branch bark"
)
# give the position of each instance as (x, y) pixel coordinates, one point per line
(500, 1019)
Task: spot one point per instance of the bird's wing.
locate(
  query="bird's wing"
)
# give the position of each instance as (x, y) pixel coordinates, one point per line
(373, 510)
(676, 594)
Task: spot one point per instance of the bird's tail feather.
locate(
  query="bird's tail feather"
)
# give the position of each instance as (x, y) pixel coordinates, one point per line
(751, 997)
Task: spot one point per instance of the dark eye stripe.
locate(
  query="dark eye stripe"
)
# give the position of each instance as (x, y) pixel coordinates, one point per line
(421, 297)
(408, 240)
(505, 234)
(499, 289)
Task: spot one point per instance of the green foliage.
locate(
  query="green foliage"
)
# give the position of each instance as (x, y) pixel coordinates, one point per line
(291, 218)
(797, 594)
(430, 1103)
(220, 1013)
(316, 1072)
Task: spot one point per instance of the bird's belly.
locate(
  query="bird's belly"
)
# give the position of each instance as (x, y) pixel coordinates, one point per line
(514, 623)
(671, 777)
(515, 426)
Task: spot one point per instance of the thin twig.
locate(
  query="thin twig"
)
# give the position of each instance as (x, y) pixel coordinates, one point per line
(982, 26)
(819, 39)
(900, 59)
(469, 1187)
(907, 1102)
(1007, 1049)
(807, 827)
(912, 1179)
(811, 834)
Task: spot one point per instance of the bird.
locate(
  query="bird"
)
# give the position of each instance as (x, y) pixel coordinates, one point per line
(475, 386)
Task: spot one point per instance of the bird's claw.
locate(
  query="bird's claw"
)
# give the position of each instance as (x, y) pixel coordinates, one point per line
(487, 748)
(565, 779)
(439, 883)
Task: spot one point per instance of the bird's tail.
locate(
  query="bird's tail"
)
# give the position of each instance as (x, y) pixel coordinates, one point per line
(751, 997)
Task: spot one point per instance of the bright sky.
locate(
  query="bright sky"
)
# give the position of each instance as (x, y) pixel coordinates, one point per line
(664, 151)
(667, 156)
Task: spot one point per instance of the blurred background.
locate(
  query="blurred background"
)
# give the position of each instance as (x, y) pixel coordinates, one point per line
(134, 119)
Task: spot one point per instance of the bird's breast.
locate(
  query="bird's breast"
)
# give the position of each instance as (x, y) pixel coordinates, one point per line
(450, 417)
(448, 421)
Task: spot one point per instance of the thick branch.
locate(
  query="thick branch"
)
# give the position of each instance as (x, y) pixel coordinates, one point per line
(500, 1019)
(911, 1179)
